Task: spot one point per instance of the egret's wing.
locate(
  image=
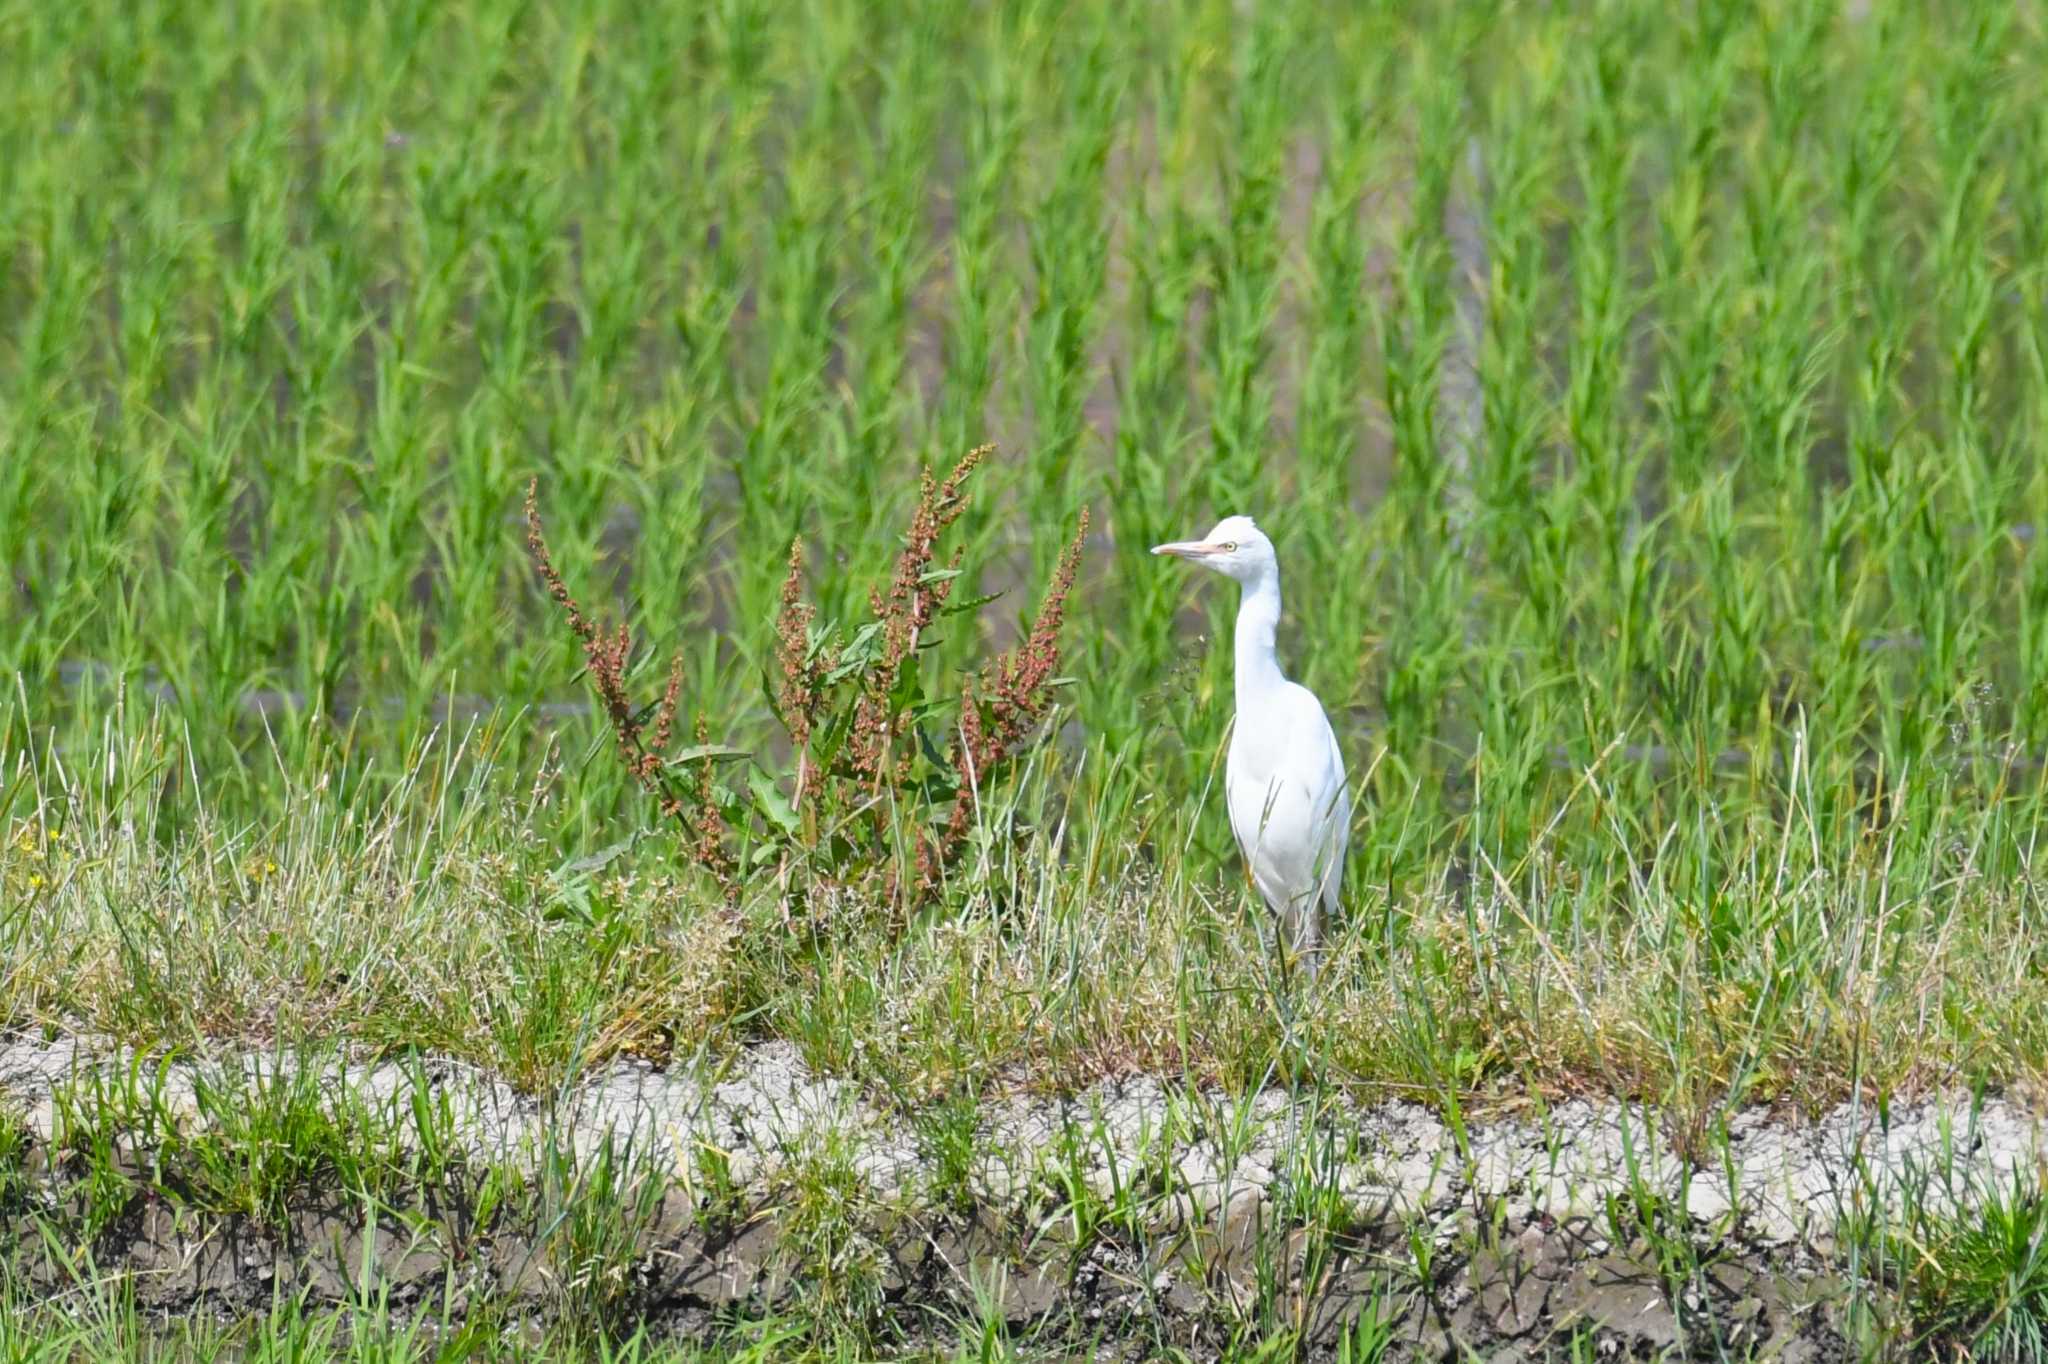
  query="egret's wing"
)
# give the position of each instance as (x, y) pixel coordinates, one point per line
(1334, 797)
(1284, 786)
(1339, 844)
(1247, 797)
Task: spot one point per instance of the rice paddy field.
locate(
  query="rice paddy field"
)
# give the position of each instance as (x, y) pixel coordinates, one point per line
(1646, 401)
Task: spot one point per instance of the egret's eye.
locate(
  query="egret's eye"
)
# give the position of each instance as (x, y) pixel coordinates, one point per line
(1230, 547)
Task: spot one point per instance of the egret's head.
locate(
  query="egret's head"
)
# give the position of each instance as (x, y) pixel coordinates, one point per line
(1236, 548)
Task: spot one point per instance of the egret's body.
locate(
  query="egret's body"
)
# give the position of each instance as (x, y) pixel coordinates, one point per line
(1284, 777)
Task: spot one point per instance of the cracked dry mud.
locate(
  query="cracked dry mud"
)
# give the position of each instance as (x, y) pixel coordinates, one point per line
(1134, 1213)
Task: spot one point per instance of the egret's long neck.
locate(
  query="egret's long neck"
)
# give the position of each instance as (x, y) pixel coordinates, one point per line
(1258, 616)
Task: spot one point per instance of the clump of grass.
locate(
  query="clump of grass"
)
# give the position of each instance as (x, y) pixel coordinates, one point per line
(16, 1144)
(101, 1320)
(888, 768)
(828, 1220)
(115, 1136)
(595, 1211)
(949, 1142)
(1977, 1284)
(255, 1136)
(269, 1131)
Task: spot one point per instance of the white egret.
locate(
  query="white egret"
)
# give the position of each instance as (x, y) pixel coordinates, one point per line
(1284, 778)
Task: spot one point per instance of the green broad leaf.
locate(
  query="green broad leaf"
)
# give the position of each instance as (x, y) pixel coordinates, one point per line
(960, 608)
(769, 800)
(710, 753)
(933, 753)
(933, 706)
(939, 575)
(860, 651)
(570, 905)
(597, 861)
(569, 900)
(825, 747)
(904, 694)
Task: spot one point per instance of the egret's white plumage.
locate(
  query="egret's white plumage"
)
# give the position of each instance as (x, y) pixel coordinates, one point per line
(1284, 778)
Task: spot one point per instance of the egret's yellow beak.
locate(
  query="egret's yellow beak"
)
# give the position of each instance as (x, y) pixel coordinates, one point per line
(1188, 549)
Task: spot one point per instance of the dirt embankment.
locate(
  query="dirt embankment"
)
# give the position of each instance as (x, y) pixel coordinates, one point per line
(1137, 1213)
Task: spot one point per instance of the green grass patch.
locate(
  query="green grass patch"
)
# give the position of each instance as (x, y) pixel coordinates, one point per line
(1645, 407)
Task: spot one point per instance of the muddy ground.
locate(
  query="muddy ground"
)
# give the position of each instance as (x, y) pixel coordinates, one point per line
(1134, 1216)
